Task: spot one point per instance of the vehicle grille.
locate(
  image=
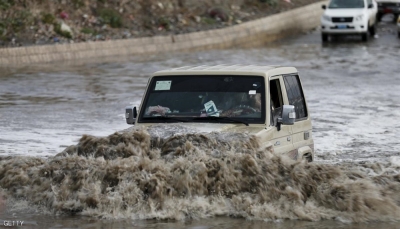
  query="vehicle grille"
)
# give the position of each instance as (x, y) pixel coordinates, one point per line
(342, 19)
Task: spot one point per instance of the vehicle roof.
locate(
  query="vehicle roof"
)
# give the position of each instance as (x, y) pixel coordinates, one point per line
(227, 69)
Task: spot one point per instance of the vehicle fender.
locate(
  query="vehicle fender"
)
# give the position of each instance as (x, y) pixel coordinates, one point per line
(303, 151)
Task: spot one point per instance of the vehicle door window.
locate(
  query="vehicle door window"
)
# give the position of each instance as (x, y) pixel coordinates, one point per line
(295, 95)
(276, 100)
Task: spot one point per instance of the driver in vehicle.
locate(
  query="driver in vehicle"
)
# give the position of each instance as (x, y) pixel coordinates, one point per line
(243, 104)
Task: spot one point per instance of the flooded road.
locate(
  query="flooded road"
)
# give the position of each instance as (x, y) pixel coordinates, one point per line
(352, 89)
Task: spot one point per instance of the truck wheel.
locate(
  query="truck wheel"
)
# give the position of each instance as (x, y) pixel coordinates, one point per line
(364, 37)
(395, 16)
(379, 17)
(324, 37)
(372, 29)
(307, 157)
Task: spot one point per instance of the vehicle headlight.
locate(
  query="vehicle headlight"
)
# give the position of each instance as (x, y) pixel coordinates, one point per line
(359, 17)
(326, 17)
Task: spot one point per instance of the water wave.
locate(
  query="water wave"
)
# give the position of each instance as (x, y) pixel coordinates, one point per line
(155, 173)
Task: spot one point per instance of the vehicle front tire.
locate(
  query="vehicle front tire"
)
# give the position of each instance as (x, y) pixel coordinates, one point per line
(372, 29)
(364, 36)
(379, 16)
(324, 37)
(395, 16)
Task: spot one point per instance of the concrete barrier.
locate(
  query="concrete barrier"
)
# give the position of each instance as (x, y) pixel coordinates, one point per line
(249, 34)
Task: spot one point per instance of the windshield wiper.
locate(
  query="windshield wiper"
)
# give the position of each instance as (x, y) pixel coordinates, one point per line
(166, 118)
(221, 118)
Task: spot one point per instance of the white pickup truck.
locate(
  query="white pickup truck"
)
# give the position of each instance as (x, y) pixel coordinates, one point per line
(267, 101)
(349, 17)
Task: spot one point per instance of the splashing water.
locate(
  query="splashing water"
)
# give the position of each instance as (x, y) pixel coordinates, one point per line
(156, 174)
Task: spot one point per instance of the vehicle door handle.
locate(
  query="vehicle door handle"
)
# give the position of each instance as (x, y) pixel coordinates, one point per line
(289, 138)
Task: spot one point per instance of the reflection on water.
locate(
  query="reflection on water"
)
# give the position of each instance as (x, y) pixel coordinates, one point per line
(352, 92)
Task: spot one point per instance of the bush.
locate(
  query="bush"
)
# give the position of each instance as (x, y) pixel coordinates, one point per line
(87, 31)
(2, 30)
(48, 19)
(18, 22)
(6, 4)
(260, 3)
(164, 22)
(78, 3)
(269, 2)
(209, 21)
(111, 17)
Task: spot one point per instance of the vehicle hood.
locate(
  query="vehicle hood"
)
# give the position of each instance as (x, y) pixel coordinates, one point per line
(185, 128)
(344, 12)
(212, 137)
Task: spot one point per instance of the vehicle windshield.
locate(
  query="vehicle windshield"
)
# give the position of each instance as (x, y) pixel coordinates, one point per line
(343, 4)
(198, 98)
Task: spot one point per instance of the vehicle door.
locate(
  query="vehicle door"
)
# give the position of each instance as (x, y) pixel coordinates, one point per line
(302, 128)
(281, 139)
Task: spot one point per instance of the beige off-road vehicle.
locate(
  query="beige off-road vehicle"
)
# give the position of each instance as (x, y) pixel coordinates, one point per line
(267, 101)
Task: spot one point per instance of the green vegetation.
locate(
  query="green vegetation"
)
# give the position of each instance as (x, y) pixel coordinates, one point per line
(48, 18)
(78, 3)
(6, 4)
(110, 17)
(14, 25)
(12, 22)
(208, 20)
(87, 31)
(261, 3)
(270, 2)
(164, 22)
(2, 30)
(21, 20)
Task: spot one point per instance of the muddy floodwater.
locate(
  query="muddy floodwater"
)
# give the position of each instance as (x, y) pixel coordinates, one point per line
(68, 159)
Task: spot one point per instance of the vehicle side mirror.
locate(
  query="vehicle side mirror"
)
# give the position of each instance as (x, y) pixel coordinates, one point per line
(130, 115)
(370, 6)
(288, 116)
(324, 7)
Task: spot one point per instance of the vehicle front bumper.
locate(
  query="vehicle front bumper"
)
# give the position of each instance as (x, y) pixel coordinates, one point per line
(329, 27)
(388, 7)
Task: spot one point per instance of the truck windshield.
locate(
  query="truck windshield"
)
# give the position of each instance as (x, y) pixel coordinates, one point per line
(344, 4)
(197, 98)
